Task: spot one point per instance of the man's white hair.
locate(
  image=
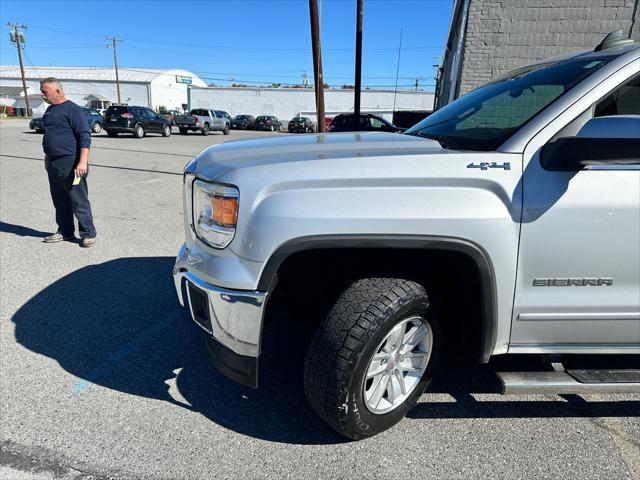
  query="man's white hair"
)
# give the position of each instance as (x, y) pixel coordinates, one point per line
(53, 80)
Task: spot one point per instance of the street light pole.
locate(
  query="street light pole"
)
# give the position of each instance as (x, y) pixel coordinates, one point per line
(317, 63)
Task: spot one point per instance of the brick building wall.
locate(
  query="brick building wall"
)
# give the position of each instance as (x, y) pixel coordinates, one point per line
(502, 35)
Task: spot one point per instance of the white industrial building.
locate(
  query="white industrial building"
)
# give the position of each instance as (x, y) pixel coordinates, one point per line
(285, 103)
(96, 87)
(181, 89)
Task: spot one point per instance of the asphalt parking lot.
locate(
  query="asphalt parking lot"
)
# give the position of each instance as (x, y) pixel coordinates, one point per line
(101, 377)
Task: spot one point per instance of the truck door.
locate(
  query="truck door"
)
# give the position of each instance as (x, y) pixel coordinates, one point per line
(578, 286)
(218, 120)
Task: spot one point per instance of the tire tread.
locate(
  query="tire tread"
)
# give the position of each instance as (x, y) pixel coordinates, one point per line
(349, 326)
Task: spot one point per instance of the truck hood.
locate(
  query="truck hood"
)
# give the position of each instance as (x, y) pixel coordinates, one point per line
(220, 159)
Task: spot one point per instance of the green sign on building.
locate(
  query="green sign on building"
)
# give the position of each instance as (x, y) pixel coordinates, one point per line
(181, 79)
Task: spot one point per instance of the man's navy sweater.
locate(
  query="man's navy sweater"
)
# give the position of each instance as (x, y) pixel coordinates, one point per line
(66, 130)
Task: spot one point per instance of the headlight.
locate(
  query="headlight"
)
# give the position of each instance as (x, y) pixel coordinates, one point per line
(215, 213)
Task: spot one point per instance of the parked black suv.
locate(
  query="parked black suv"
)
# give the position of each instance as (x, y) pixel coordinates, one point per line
(367, 123)
(268, 122)
(243, 122)
(136, 120)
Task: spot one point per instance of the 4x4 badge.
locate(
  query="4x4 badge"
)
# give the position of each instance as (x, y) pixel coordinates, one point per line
(488, 165)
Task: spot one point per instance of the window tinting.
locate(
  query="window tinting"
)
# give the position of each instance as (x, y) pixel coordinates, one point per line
(624, 100)
(486, 117)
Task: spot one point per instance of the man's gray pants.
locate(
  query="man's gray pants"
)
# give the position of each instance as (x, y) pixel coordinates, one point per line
(69, 199)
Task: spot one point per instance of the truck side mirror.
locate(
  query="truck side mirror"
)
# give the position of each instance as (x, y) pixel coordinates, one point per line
(611, 140)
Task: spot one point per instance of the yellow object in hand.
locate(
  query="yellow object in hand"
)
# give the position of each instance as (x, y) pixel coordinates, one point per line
(76, 180)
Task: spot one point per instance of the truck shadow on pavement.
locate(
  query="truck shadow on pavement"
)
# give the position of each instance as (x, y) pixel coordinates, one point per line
(118, 325)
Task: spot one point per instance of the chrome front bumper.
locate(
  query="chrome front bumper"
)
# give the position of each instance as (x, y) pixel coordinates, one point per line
(232, 320)
(235, 316)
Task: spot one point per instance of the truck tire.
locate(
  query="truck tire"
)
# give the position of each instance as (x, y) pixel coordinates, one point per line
(138, 131)
(205, 129)
(226, 129)
(184, 131)
(373, 356)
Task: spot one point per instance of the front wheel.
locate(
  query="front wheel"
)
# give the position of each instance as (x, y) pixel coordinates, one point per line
(166, 131)
(383, 347)
(226, 129)
(96, 127)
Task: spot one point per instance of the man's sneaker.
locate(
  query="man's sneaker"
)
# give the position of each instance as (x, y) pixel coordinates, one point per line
(87, 242)
(58, 237)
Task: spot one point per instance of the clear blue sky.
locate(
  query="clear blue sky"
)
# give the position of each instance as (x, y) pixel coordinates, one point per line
(251, 42)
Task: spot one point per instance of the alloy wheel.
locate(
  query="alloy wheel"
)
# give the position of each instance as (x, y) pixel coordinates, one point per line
(397, 365)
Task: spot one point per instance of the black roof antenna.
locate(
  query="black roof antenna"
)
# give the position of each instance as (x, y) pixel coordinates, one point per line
(613, 39)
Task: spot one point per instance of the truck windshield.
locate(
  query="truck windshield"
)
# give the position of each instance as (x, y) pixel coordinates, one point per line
(486, 117)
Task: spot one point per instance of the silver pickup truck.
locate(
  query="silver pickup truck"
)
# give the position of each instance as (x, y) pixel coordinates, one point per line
(203, 121)
(506, 223)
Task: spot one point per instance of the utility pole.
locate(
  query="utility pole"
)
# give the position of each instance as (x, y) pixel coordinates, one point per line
(115, 62)
(395, 91)
(18, 38)
(317, 63)
(358, 82)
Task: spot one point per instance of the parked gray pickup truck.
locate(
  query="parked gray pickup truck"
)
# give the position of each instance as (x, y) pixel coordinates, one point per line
(203, 121)
(506, 223)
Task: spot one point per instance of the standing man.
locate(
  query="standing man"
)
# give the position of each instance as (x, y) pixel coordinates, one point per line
(66, 144)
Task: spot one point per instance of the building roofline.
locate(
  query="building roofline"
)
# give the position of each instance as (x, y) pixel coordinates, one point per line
(293, 89)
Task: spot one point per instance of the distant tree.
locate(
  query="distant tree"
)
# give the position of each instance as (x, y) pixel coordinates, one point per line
(275, 85)
(239, 85)
(212, 85)
(347, 87)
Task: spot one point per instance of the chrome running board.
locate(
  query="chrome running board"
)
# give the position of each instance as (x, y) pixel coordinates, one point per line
(570, 381)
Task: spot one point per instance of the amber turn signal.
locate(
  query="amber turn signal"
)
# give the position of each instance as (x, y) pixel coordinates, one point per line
(224, 210)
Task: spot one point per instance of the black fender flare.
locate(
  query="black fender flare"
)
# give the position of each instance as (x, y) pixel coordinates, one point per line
(480, 258)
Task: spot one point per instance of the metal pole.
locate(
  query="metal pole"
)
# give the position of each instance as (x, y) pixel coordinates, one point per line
(317, 63)
(358, 83)
(395, 91)
(115, 63)
(24, 82)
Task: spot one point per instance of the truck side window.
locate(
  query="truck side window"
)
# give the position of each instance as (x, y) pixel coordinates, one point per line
(624, 100)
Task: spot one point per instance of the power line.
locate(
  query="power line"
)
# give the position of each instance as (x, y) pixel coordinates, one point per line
(236, 47)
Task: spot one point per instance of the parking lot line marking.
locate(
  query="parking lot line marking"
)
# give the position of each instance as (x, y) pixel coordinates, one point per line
(97, 165)
(93, 147)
